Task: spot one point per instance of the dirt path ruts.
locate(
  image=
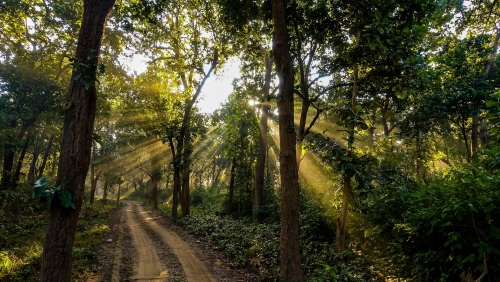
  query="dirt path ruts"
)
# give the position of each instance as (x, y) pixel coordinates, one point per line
(194, 269)
(149, 267)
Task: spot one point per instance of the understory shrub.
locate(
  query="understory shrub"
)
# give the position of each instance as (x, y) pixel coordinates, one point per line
(257, 245)
(22, 231)
(439, 231)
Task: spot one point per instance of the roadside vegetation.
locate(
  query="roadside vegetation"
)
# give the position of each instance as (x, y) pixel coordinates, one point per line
(22, 234)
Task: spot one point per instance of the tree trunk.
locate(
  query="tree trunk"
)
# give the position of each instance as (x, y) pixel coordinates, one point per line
(231, 188)
(186, 200)
(342, 221)
(105, 191)
(184, 138)
(119, 190)
(93, 182)
(483, 132)
(419, 164)
(154, 180)
(302, 130)
(261, 158)
(290, 268)
(474, 144)
(216, 179)
(17, 174)
(466, 141)
(371, 136)
(76, 145)
(53, 165)
(36, 152)
(46, 156)
(175, 194)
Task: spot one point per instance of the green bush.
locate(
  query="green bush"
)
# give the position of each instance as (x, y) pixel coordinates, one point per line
(437, 231)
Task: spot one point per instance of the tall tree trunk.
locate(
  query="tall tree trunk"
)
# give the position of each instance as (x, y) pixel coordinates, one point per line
(105, 191)
(76, 145)
(474, 144)
(36, 152)
(418, 148)
(17, 174)
(216, 178)
(154, 180)
(94, 177)
(119, 190)
(231, 188)
(290, 269)
(466, 141)
(53, 165)
(261, 158)
(371, 136)
(177, 178)
(483, 134)
(46, 155)
(342, 221)
(186, 200)
(176, 190)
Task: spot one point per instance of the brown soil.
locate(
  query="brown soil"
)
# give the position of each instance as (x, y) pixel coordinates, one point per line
(145, 247)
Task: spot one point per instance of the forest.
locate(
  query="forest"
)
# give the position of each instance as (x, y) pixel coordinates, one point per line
(359, 141)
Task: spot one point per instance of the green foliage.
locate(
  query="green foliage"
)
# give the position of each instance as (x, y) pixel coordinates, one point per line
(257, 244)
(86, 71)
(41, 191)
(21, 239)
(439, 230)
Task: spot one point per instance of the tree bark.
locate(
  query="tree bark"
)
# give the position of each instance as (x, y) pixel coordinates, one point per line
(17, 174)
(119, 190)
(290, 268)
(105, 191)
(261, 158)
(94, 177)
(177, 186)
(342, 221)
(185, 195)
(76, 145)
(231, 188)
(474, 144)
(371, 136)
(36, 152)
(418, 145)
(154, 180)
(46, 155)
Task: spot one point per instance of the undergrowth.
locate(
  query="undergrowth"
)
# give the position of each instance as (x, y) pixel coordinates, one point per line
(23, 222)
(256, 245)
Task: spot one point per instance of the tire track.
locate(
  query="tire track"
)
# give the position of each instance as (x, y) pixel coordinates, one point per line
(149, 268)
(194, 269)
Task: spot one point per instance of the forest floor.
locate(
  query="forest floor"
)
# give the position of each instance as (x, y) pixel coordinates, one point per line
(145, 246)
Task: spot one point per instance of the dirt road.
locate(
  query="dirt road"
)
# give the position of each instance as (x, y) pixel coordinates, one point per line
(149, 267)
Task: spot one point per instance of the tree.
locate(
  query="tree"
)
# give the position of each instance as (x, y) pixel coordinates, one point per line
(290, 268)
(27, 94)
(74, 162)
(239, 138)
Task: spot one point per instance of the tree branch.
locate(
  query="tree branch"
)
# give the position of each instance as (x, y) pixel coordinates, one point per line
(328, 89)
